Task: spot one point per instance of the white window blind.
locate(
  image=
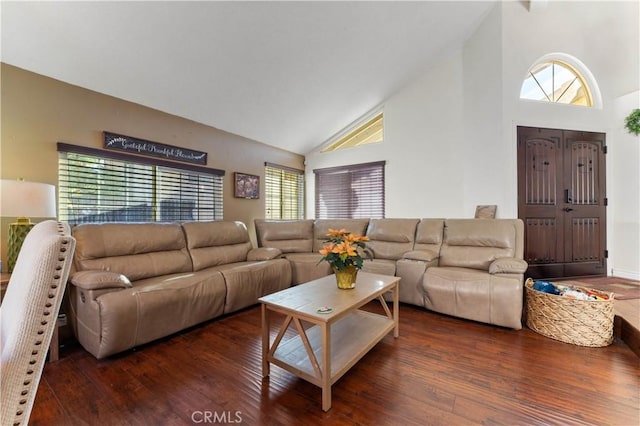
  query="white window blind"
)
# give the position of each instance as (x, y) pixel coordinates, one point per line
(354, 191)
(284, 192)
(100, 186)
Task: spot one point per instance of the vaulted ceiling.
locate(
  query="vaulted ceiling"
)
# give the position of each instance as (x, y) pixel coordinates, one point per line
(289, 74)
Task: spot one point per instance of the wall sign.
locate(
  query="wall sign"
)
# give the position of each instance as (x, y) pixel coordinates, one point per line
(153, 149)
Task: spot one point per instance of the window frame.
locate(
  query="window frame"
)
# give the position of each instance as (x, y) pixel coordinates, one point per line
(577, 67)
(358, 133)
(285, 191)
(184, 181)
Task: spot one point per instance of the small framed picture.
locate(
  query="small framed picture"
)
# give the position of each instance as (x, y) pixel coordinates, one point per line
(486, 212)
(247, 186)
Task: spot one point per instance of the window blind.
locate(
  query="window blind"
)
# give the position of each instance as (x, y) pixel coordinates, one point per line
(99, 186)
(284, 192)
(354, 191)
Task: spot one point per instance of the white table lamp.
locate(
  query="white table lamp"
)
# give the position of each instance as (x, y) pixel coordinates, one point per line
(22, 200)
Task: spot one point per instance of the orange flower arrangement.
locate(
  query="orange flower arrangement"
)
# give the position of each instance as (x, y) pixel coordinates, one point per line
(343, 249)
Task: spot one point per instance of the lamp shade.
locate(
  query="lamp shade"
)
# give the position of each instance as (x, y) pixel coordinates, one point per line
(27, 199)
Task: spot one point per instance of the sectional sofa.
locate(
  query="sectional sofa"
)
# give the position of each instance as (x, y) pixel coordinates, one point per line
(469, 268)
(133, 283)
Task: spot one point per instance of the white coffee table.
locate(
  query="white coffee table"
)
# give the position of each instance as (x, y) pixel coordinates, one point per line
(325, 351)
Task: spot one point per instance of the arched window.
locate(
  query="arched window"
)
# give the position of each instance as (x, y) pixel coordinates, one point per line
(561, 79)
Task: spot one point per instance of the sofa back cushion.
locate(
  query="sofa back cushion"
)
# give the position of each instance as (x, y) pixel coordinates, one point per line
(290, 236)
(475, 243)
(136, 250)
(321, 229)
(216, 243)
(429, 235)
(391, 238)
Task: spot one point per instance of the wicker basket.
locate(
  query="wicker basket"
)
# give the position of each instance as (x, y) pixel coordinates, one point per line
(579, 322)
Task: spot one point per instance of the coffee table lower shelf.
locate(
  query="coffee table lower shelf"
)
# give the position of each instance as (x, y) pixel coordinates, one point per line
(351, 338)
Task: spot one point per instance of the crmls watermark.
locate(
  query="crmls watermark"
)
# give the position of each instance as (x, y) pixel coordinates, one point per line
(216, 417)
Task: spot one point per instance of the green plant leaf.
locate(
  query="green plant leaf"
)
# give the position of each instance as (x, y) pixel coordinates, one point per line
(632, 122)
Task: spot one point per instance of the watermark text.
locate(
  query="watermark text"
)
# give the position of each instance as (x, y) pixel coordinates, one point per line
(216, 417)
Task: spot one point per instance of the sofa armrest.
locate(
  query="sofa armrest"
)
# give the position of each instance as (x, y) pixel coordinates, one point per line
(263, 253)
(423, 255)
(97, 280)
(508, 265)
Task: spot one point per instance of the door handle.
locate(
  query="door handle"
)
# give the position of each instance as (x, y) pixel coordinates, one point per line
(567, 196)
(568, 209)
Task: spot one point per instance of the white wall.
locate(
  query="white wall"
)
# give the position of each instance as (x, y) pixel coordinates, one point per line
(423, 135)
(489, 160)
(604, 36)
(450, 136)
(623, 177)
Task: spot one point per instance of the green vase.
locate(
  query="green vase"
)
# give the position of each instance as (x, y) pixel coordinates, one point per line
(346, 278)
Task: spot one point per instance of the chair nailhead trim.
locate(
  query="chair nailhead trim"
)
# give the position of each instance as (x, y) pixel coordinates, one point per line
(44, 321)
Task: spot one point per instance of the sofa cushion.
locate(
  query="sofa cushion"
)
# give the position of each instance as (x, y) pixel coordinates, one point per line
(263, 253)
(307, 267)
(429, 233)
(154, 308)
(391, 238)
(216, 243)
(411, 273)
(474, 243)
(136, 250)
(295, 236)
(474, 295)
(248, 281)
(321, 229)
(380, 266)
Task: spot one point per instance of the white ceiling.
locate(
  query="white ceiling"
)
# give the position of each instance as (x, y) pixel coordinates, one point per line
(289, 74)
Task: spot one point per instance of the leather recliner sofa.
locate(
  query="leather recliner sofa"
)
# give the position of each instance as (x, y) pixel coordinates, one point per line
(469, 268)
(133, 283)
(136, 282)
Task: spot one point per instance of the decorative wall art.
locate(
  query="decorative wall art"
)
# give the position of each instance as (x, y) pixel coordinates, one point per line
(247, 186)
(486, 212)
(153, 149)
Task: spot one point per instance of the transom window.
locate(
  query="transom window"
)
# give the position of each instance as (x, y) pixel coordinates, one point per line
(354, 191)
(371, 131)
(284, 192)
(556, 81)
(99, 186)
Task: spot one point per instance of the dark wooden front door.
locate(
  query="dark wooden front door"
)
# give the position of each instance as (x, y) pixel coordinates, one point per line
(562, 201)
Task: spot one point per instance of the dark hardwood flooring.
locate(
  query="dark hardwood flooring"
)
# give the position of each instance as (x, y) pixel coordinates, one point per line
(440, 371)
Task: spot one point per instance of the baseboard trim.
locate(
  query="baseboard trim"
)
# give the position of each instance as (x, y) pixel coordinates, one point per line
(630, 275)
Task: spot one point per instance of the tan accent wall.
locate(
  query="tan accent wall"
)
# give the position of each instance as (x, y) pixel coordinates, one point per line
(37, 112)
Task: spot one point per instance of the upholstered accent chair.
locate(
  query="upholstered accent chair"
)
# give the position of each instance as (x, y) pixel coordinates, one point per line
(28, 316)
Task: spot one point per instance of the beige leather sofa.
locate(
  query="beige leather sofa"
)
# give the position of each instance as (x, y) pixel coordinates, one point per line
(300, 240)
(469, 268)
(134, 283)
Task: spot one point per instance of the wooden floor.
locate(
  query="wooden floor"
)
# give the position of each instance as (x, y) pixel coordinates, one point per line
(440, 371)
